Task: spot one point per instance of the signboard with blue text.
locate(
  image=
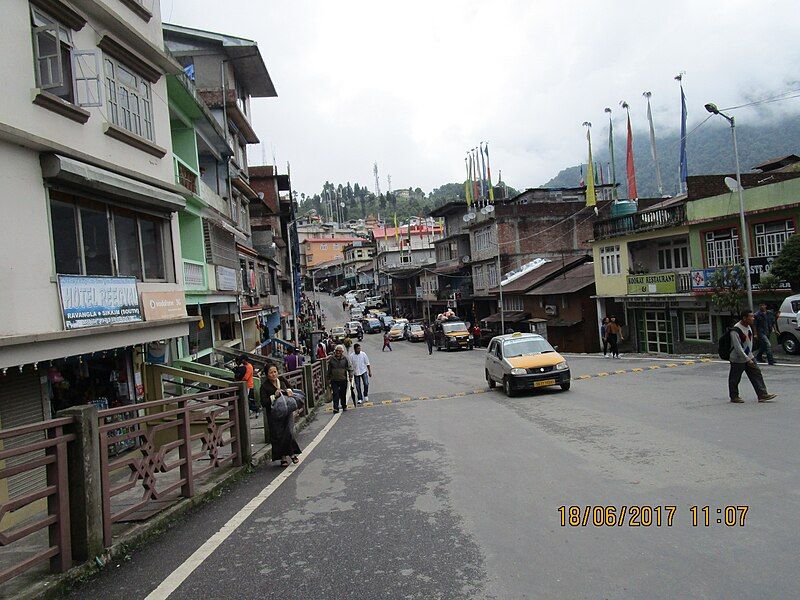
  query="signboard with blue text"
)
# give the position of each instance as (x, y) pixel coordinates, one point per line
(97, 301)
(759, 265)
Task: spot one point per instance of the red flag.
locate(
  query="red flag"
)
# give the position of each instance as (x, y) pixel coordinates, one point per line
(632, 193)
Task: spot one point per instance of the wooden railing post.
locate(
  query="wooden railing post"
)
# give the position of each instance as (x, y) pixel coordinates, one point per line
(243, 424)
(308, 384)
(85, 492)
(185, 449)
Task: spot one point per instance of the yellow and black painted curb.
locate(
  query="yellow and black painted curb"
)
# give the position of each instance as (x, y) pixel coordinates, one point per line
(404, 399)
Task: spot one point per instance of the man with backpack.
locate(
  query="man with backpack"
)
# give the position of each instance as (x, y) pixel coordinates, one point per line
(739, 349)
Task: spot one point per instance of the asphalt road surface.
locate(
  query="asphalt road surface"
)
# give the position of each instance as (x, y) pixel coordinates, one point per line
(458, 497)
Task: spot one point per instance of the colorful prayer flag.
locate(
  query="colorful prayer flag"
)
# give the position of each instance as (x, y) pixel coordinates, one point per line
(591, 196)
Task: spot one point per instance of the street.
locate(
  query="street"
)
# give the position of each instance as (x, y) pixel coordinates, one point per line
(458, 495)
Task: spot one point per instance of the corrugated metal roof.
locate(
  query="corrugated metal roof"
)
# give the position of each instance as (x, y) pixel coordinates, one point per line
(572, 281)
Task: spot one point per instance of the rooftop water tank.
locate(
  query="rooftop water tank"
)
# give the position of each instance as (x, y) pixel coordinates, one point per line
(623, 207)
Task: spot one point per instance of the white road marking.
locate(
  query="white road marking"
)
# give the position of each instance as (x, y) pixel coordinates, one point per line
(182, 573)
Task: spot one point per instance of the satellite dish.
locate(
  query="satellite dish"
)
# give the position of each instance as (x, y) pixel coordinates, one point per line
(466, 218)
(487, 209)
(465, 259)
(732, 184)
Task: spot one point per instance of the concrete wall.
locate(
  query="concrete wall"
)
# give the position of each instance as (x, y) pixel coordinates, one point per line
(756, 198)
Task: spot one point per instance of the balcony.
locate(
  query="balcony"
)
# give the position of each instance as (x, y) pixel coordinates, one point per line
(185, 176)
(210, 197)
(649, 220)
(194, 275)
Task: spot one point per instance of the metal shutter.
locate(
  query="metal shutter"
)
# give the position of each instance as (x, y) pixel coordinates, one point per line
(220, 246)
(21, 404)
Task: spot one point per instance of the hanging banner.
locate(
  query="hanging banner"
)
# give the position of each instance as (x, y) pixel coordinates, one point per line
(97, 301)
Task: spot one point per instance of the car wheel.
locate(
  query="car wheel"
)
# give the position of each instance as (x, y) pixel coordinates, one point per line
(565, 385)
(489, 381)
(507, 387)
(790, 345)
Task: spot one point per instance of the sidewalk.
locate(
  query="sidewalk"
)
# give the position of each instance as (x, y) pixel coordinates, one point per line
(137, 527)
(781, 358)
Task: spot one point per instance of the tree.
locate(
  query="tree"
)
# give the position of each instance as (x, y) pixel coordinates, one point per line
(728, 287)
(787, 264)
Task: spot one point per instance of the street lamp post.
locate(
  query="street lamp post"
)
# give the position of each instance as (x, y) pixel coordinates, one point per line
(500, 281)
(290, 225)
(712, 108)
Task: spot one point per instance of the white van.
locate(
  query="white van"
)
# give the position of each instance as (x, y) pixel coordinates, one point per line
(788, 324)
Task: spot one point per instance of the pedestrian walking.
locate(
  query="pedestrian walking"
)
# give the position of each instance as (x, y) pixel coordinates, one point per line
(244, 372)
(429, 339)
(743, 360)
(293, 360)
(603, 328)
(614, 335)
(339, 370)
(322, 351)
(765, 325)
(281, 428)
(386, 343)
(330, 345)
(362, 371)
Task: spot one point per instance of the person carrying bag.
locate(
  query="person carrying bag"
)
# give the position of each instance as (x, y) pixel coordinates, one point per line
(280, 403)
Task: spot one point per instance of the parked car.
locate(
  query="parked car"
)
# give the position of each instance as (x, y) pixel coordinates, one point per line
(374, 301)
(340, 290)
(397, 332)
(387, 322)
(338, 334)
(354, 329)
(452, 334)
(373, 326)
(788, 324)
(524, 361)
(415, 332)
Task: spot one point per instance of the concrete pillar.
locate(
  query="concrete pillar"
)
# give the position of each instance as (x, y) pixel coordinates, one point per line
(85, 492)
(245, 449)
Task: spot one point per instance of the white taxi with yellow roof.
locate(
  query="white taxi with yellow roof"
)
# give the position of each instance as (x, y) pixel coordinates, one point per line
(524, 361)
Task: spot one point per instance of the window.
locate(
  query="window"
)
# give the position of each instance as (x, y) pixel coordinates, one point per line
(771, 236)
(128, 95)
(673, 255)
(512, 303)
(491, 271)
(92, 238)
(405, 258)
(335, 246)
(610, 260)
(697, 325)
(323, 246)
(722, 247)
(478, 277)
(482, 238)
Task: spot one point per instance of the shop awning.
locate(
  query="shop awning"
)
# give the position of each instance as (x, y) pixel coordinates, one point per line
(94, 179)
(510, 316)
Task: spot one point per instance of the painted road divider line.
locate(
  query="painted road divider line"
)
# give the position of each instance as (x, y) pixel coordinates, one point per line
(653, 367)
(620, 371)
(602, 374)
(671, 365)
(199, 556)
(387, 402)
(637, 370)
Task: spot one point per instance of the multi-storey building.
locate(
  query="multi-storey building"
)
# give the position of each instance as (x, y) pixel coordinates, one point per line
(451, 284)
(226, 73)
(91, 277)
(356, 256)
(654, 267)
(537, 223)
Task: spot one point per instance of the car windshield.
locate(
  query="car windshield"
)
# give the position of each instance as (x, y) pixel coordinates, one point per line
(373, 321)
(397, 328)
(452, 327)
(336, 330)
(525, 346)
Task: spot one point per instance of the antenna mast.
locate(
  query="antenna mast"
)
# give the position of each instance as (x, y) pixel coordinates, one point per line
(377, 180)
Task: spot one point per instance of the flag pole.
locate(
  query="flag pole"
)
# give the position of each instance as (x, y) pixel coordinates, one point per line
(683, 167)
(613, 174)
(630, 165)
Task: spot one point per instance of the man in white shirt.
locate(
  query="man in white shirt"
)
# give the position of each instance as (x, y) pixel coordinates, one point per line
(362, 371)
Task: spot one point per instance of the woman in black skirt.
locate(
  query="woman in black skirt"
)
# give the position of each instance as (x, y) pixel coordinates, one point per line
(281, 430)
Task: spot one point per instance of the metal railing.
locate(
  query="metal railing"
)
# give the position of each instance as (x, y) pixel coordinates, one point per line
(185, 176)
(194, 274)
(19, 457)
(296, 381)
(647, 220)
(173, 436)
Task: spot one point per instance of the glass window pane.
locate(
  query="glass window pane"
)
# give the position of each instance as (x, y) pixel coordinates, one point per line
(152, 248)
(65, 238)
(129, 262)
(96, 246)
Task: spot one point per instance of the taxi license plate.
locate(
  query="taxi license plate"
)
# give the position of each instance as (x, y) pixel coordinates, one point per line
(544, 382)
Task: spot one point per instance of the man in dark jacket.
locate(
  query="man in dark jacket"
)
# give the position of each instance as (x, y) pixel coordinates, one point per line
(429, 338)
(339, 370)
(765, 324)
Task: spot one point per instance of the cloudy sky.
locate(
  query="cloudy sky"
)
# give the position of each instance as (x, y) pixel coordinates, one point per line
(412, 84)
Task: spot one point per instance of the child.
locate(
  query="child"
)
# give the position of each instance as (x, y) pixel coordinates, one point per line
(386, 343)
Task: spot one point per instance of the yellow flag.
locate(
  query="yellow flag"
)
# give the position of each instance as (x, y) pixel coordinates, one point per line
(591, 195)
(396, 230)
